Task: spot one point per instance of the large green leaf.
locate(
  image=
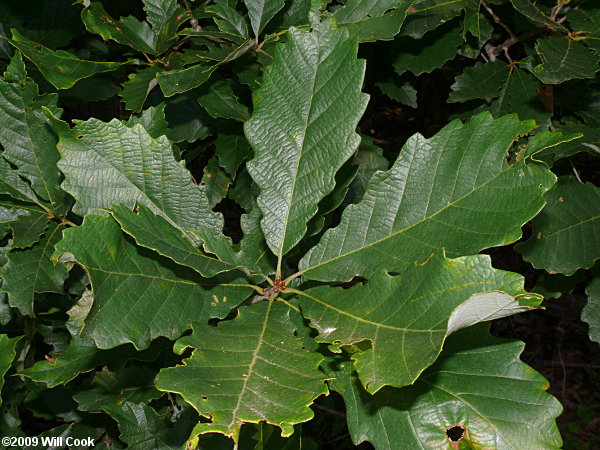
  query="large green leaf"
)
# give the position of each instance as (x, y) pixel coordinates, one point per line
(375, 20)
(399, 222)
(61, 68)
(139, 295)
(477, 383)
(406, 318)
(564, 233)
(30, 270)
(303, 128)
(249, 369)
(111, 163)
(261, 12)
(591, 310)
(7, 354)
(29, 143)
(564, 59)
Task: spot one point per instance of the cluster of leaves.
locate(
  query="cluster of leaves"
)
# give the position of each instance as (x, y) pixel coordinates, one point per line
(148, 310)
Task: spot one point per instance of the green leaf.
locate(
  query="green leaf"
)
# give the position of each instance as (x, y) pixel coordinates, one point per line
(10, 181)
(154, 37)
(229, 21)
(586, 24)
(7, 354)
(589, 142)
(398, 222)
(591, 310)
(536, 15)
(483, 80)
(563, 237)
(232, 150)
(137, 88)
(27, 229)
(188, 122)
(430, 14)
(478, 382)
(29, 144)
(378, 20)
(153, 231)
(80, 356)
(142, 428)
(15, 71)
(215, 182)
(61, 68)
(152, 119)
(519, 96)
(314, 84)
(261, 12)
(134, 384)
(30, 270)
(369, 159)
(402, 91)
(249, 369)
(564, 59)
(545, 140)
(428, 53)
(407, 317)
(110, 163)
(139, 295)
(181, 80)
(218, 99)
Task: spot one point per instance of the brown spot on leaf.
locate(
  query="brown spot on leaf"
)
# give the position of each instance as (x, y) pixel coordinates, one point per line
(561, 199)
(50, 359)
(163, 180)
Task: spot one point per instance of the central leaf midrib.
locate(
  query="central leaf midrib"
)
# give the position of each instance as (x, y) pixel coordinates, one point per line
(250, 367)
(389, 236)
(296, 169)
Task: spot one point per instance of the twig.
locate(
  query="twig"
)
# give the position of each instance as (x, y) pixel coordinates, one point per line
(193, 21)
(575, 171)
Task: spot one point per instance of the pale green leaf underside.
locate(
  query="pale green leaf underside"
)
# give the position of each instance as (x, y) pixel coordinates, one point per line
(565, 234)
(303, 128)
(478, 382)
(407, 317)
(591, 310)
(412, 209)
(249, 369)
(139, 295)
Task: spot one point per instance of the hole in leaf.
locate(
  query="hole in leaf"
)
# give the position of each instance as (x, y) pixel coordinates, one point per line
(455, 433)
(80, 137)
(205, 397)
